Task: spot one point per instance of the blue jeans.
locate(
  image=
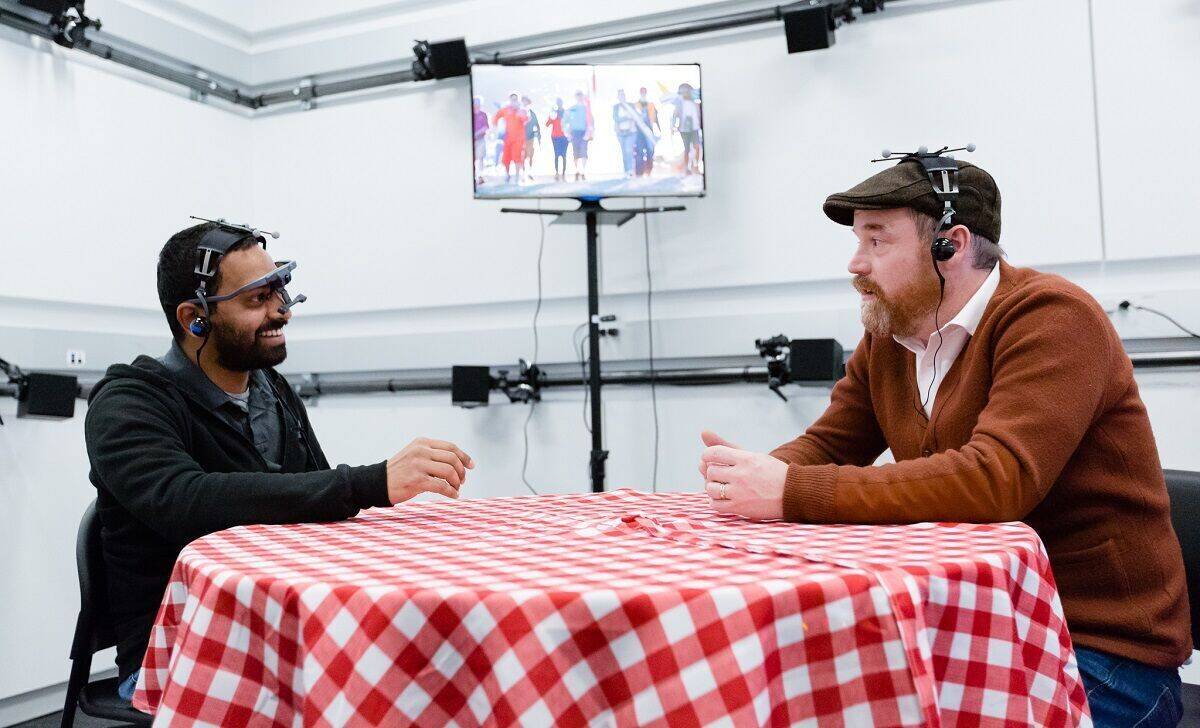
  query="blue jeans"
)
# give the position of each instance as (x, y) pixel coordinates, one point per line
(628, 141)
(125, 689)
(643, 154)
(1127, 693)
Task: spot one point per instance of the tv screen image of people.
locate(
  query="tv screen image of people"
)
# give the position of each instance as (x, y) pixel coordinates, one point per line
(587, 131)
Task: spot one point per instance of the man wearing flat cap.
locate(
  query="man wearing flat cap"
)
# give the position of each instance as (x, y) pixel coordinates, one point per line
(1007, 397)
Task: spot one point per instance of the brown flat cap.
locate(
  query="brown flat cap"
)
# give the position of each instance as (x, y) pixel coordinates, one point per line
(906, 185)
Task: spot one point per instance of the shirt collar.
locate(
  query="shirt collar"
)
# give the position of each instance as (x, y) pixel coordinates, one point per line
(188, 374)
(968, 317)
(972, 313)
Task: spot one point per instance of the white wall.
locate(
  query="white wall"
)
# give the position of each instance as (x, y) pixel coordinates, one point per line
(782, 132)
(43, 492)
(453, 278)
(1146, 69)
(99, 171)
(96, 170)
(405, 270)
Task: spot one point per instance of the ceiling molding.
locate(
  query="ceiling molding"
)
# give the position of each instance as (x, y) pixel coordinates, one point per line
(179, 13)
(378, 12)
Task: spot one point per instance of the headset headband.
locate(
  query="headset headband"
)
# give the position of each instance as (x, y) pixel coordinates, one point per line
(212, 248)
(943, 170)
(942, 173)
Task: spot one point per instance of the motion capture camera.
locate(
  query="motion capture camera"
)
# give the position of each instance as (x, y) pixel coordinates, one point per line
(442, 59)
(42, 395)
(47, 396)
(527, 387)
(772, 348)
(776, 350)
(803, 361)
(812, 27)
(470, 386)
(66, 19)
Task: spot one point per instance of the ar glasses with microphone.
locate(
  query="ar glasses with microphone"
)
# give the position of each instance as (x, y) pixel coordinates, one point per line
(211, 249)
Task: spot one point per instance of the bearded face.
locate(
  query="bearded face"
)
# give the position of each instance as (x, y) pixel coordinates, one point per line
(900, 310)
(244, 349)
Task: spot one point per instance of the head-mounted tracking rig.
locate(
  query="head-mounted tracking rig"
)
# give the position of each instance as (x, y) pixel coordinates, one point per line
(942, 172)
(212, 248)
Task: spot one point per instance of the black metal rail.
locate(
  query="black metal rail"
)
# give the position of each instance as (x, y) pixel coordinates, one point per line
(205, 83)
(1145, 354)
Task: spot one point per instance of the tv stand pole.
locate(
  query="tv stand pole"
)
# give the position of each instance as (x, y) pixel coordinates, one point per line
(592, 214)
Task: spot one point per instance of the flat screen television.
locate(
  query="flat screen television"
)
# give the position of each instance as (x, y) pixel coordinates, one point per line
(587, 131)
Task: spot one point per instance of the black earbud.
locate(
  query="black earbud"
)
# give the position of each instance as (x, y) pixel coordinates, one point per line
(199, 326)
(942, 250)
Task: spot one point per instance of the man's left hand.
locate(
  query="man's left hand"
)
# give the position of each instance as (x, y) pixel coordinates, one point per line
(741, 482)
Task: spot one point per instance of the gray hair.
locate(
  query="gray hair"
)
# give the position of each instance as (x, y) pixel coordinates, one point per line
(984, 253)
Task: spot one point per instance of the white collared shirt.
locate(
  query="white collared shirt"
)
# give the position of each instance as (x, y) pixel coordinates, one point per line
(953, 335)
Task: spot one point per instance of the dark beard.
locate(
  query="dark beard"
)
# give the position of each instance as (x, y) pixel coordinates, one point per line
(241, 351)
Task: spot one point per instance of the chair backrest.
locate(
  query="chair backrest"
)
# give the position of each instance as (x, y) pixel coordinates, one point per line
(93, 630)
(1184, 489)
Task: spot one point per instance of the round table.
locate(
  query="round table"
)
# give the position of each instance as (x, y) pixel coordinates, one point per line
(620, 608)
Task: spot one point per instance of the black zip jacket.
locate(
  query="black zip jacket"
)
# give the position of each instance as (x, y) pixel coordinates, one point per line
(169, 470)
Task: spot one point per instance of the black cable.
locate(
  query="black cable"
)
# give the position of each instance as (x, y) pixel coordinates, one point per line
(583, 375)
(533, 364)
(525, 459)
(288, 408)
(1126, 305)
(650, 338)
(202, 345)
(941, 295)
(538, 309)
(583, 379)
(575, 341)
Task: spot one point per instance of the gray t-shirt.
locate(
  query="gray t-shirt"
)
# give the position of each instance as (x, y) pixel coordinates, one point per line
(241, 399)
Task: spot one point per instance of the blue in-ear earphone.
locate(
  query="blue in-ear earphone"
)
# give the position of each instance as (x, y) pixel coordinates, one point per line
(199, 326)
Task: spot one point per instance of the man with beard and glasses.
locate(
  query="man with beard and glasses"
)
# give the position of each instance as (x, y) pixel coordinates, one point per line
(1012, 400)
(209, 436)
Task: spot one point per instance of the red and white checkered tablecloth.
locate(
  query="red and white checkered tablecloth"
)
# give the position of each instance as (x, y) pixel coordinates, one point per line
(622, 608)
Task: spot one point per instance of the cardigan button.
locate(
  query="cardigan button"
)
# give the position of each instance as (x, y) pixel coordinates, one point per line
(927, 452)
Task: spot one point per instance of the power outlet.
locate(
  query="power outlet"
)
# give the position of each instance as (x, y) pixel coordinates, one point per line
(1111, 304)
(76, 357)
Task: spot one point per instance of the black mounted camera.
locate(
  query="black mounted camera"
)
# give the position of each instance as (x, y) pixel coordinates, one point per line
(526, 387)
(800, 360)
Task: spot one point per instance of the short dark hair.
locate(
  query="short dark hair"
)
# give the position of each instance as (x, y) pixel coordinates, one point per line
(177, 270)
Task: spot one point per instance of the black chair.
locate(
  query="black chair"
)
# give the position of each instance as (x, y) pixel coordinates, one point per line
(93, 632)
(1184, 488)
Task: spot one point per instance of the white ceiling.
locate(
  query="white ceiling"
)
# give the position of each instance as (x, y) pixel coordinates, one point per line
(261, 18)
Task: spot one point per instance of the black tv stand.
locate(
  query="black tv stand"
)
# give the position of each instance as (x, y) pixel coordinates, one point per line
(592, 214)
